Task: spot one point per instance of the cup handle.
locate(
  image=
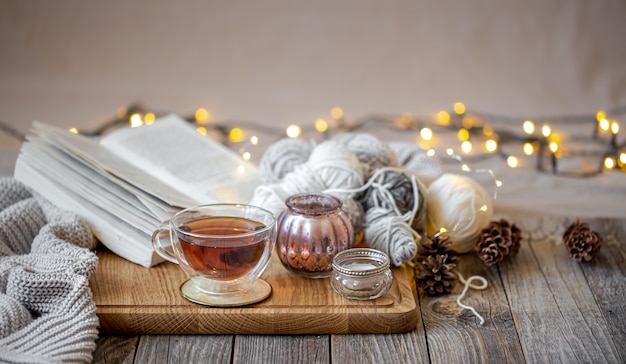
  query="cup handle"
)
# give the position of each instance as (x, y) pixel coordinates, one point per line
(158, 246)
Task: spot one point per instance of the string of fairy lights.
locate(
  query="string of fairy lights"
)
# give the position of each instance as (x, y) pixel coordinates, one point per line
(516, 140)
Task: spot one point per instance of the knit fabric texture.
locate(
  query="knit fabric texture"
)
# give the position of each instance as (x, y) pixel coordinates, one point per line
(47, 313)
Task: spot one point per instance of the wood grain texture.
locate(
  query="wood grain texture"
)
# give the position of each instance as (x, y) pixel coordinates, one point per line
(185, 349)
(555, 312)
(408, 347)
(115, 349)
(540, 306)
(390, 348)
(281, 349)
(447, 325)
(150, 303)
(606, 277)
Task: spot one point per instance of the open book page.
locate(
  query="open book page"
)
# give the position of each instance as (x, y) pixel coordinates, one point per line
(133, 180)
(173, 151)
(66, 171)
(113, 231)
(119, 170)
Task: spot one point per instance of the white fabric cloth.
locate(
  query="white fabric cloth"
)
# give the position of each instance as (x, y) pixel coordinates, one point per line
(47, 313)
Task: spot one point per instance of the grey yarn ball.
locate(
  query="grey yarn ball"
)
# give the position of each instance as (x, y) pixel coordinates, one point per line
(400, 186)
(414, 159)
(354, 210)
(282, 157)
(388, 233)
(370, 150)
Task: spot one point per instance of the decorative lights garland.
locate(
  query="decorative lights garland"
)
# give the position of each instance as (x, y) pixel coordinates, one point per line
(537, 137)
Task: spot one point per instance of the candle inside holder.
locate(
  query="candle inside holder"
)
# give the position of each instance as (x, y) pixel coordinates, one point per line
(361, 274)
(311, 231)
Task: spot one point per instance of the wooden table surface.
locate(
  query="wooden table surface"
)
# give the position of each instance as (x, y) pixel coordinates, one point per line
(541, 306)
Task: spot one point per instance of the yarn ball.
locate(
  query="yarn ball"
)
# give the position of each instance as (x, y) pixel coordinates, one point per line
(336, 167)
(414, 159)
(329, 166)
(460, 205)
(370, 150)
(282, 157)
(271, 197)
(389, 233)
(419, 220)
(394, 190)
(354, 210)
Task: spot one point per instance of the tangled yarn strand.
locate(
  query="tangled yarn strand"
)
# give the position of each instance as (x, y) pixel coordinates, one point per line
(371, 181)
(387, 228)
(468, 284)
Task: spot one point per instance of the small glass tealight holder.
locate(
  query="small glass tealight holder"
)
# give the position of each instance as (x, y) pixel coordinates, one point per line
(361, 274)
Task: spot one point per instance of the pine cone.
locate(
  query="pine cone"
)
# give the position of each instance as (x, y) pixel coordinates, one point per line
(434, 264)
(497, 241)
(582, 242)
(438, 244)
(435, 276)
(490, 254)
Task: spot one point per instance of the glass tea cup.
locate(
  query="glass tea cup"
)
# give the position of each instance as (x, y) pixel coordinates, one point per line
(223, 249)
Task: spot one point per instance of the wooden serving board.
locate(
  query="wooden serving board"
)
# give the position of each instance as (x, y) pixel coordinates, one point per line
(131, 299)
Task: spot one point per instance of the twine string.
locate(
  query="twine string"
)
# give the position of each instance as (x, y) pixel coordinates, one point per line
(468, 284)
(389, 202)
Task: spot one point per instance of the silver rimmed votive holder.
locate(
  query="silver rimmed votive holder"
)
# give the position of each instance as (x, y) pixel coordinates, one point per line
(361, 274)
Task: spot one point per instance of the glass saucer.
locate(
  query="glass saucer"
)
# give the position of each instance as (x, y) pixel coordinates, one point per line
(259, 292)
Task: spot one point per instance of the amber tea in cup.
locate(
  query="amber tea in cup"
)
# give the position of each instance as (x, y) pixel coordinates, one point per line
(222, 261)
(223, 249)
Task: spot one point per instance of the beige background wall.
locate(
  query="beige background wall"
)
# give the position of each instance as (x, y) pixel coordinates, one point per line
(74, 63)
(71, 62)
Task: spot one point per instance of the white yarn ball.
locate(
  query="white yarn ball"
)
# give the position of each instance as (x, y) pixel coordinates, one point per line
(302, 179)
(329, 166)
(336, 166)
(282, 157)
(414, 159)
(460, 205)
(390, 234)
(270, 197)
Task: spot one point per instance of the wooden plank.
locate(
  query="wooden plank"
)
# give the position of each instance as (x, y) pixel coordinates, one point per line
(115, 349)
(184, 349)
(281, 349)
(134, 300)
(391, 348)
(152, 349)
(555, 313)
(606, 276)
(455, 335)
(408, 347)
(544, 288)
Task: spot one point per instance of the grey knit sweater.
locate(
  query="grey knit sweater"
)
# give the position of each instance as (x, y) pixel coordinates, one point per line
(47, 313)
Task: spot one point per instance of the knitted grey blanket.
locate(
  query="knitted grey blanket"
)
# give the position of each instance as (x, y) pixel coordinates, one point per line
(47, 313)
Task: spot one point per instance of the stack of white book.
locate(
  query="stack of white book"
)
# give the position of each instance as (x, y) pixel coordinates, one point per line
(133, 180)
